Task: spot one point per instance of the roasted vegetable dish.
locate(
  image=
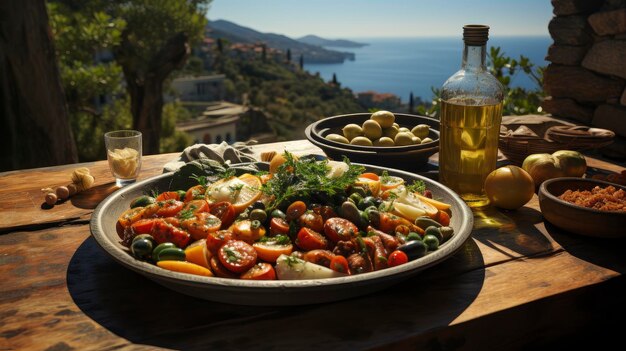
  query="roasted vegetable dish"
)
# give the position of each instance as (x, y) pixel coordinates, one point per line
(309, 219)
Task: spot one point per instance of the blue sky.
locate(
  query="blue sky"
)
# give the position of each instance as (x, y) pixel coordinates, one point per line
(385, 18)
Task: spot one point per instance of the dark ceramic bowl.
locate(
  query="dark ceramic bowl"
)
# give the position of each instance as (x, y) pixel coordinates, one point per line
(578, 219)
(409, 157)
(283, 292)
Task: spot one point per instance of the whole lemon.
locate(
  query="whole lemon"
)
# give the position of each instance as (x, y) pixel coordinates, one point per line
(509, 187)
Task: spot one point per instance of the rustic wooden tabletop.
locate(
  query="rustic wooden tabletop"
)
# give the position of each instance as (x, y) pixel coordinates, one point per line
(518, 283)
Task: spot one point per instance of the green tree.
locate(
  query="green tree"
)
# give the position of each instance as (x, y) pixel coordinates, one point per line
(518, 101)
(155, 42)
(149, 39)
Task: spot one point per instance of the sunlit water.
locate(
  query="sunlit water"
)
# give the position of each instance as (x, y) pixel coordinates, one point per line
(402, 65)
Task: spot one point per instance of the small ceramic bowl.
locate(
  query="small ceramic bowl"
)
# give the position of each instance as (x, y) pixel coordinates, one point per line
(578, 219)
(408, 157)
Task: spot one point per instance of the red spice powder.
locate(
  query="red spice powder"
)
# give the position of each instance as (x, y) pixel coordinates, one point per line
(603, 199)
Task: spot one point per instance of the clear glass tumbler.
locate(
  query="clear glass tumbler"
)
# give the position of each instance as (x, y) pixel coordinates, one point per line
(124, 155)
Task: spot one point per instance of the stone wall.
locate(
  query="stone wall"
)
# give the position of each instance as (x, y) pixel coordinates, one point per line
(586, 79)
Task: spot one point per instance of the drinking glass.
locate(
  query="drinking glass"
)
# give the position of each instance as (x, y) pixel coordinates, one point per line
(124, 155)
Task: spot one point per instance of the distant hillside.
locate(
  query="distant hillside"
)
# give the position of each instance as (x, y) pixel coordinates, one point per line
(340, 43)
(311, 53)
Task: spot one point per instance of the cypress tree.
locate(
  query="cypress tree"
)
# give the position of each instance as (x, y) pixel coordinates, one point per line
(301, 61)
(335, 79)
(411, 103)
(288, 55)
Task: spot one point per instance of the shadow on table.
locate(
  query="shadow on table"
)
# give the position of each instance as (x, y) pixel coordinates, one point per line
(89, 199)
(604, 252)
(141, 311)
(511, 233)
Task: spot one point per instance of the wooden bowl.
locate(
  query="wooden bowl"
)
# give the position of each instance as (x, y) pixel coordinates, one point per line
(578, 219)
(408, 157)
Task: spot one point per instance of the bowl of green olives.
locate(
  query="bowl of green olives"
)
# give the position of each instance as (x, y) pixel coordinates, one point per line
(382, 138)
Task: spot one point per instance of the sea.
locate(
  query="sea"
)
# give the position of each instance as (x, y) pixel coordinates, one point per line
(404, 65)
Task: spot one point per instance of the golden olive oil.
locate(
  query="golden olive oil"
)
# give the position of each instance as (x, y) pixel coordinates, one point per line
(468, 147)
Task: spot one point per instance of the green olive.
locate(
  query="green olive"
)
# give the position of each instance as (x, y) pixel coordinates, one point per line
(361, 141)
(427, 140)
(404, 138)
(372, 129)
(171, 254)
(404, 130)
(258, 214)
(352, 131)
(431, 241)
(338, 138)
(142, 248)
(142, 201)
(421, 130)
(384, 141)
(159, 248)
(390, 132)
(416, 140)
(384, 118)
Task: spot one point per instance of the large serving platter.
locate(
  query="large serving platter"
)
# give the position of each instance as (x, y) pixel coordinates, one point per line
(276, 292)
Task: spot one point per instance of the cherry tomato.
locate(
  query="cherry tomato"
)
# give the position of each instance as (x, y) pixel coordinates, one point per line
(215, 240)
(269, 251)
(295, 210)
(319, 257)
(443, 218)
(167, 208)
(219, 270)
(163, 232)
(246, 231)
(200, 225)
(127, 218)
(260, 271)
(195, 193)
(143, 226)
(195, 206)
(279, 226)
(237, 256)
(225, 211)
(311, 220)
(339, 264)
(327, 212)
(340, 229)
(397, 258)
(173, 221)
(308, 239)
(168, 195)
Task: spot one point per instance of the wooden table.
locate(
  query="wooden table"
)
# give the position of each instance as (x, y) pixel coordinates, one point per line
(519, 283)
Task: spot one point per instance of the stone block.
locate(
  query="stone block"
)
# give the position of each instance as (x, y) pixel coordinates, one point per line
(571, 30)
(609, 22)
(566, 54)
(608, 57)
(580, 84)
(568, 108)
(612, 4)
(611, 117)
(573, 7)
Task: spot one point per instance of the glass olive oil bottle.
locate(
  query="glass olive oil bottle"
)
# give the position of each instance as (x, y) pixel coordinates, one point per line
(471, 113)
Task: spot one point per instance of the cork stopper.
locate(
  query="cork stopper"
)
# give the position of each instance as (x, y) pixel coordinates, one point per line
(475, 34)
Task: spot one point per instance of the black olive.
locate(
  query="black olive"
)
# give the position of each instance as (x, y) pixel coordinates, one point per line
(414, 249)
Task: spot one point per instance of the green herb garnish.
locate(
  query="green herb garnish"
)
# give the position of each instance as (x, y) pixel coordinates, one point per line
(231, 255)
(306, 177)
(202, 180)
(417, 186)
(276, 240)
(188, 213)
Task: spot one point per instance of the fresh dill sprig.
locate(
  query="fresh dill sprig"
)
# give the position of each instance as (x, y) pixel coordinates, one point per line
(417, 186)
